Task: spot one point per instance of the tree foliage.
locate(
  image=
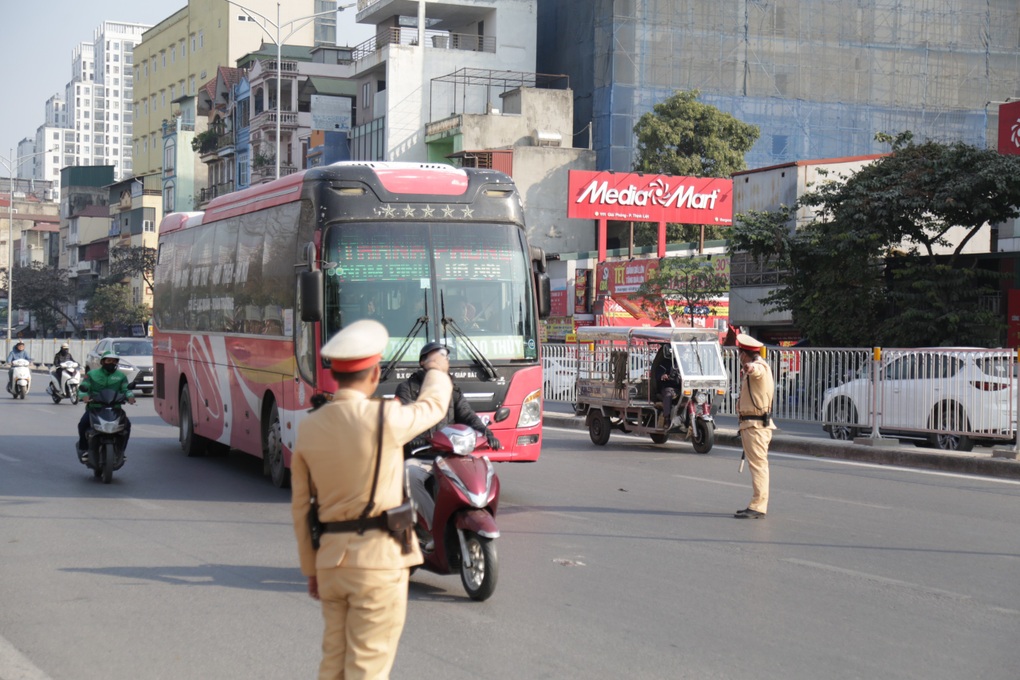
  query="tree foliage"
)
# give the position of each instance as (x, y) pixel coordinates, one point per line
(132, 261)
(45, 292)
(683, 136)
(881, 259)
(681, 287)
(111, 306)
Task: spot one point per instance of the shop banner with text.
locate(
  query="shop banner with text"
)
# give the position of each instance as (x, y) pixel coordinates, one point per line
(649, 198)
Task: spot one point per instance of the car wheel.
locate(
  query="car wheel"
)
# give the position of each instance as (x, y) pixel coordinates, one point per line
(842, 419)
(950, 419)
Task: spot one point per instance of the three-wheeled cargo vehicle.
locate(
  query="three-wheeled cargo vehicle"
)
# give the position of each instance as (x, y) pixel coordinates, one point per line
(618, 371)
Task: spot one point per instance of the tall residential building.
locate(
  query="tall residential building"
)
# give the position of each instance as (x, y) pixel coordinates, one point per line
(99, 97)
(182, 52)
(819, 78)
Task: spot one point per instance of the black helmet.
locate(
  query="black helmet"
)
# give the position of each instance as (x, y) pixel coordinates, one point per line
(429, 348)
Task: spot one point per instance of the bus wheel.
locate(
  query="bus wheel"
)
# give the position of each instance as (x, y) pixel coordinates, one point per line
(272, 451)
(192, 444)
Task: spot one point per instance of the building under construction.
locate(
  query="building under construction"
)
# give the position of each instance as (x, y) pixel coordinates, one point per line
(818, 77)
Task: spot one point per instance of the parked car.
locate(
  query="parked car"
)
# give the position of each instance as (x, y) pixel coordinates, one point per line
(948, 398)
(135, 360)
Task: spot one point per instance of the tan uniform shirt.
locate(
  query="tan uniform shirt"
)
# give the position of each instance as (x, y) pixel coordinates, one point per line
(757, 388)
(338, 444)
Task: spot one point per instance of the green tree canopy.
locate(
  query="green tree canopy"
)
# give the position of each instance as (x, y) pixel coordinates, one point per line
(881, 259)
(44, 291)
(681, 287)
(112, 307)
(683, 136)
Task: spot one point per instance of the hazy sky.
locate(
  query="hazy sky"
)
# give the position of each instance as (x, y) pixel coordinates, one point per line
(36, 41)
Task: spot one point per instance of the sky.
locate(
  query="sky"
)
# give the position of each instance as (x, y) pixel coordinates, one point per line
(36, 41)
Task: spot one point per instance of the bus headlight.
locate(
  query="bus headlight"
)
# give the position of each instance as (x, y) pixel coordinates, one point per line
(531, 410)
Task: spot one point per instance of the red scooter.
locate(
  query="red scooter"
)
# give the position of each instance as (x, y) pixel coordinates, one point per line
(466, 491)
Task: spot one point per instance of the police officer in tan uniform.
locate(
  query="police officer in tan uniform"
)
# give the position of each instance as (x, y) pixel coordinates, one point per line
(754, 406)
(360, 578)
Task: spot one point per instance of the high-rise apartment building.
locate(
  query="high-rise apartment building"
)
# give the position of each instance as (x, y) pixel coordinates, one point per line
(181, 53)
(98, 100)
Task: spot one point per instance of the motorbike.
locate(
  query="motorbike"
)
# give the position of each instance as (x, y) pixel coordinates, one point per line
(466, 491)
(106, 435)
(64, 381)
(21, 379)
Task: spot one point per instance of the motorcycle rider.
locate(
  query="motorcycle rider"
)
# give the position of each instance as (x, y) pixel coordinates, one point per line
(60, 357)
(17, 353)
(107, 376)
(419, 470)
(670, 385)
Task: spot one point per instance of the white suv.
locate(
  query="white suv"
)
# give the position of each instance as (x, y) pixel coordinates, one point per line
(946, 397)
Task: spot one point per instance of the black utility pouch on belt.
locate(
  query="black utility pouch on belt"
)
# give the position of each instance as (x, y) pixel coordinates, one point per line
(400, 522)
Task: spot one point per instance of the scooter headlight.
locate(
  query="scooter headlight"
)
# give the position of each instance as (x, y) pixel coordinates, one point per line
(700, 398)
(463, 444)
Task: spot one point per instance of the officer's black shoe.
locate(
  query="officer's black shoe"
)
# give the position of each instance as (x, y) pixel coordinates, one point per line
(748, 513)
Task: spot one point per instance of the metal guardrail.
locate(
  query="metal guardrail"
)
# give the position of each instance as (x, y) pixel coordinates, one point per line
(965, 394)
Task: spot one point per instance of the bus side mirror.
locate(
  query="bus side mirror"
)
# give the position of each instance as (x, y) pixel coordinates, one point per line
(544, 289)
(310, 291)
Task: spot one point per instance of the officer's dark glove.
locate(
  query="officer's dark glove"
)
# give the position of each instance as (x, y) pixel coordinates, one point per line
(493, 442)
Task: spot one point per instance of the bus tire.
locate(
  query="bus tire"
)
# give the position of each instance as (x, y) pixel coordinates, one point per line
(272, 450)
(192, 444)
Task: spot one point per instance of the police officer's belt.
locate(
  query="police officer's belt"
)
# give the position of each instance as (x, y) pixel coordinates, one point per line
(355, 525)
(765, 417)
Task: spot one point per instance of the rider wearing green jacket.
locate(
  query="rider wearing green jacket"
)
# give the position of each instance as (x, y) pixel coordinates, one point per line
(107, 376)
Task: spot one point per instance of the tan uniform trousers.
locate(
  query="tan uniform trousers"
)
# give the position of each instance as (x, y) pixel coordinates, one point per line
(755, 441)
(364, 611)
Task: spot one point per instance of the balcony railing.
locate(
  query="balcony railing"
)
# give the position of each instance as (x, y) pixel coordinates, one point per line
(209, 193)
(288, 119)
(396, 35)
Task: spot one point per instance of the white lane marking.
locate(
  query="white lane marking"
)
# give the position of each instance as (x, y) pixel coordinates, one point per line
(827, 499)
(9, 459)
(878, 579)
(876, 466)
(851, 463)
(710, 481)
(16, 666)
(143, 504)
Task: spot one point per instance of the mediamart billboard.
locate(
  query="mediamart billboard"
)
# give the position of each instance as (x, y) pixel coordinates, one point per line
(649, 198)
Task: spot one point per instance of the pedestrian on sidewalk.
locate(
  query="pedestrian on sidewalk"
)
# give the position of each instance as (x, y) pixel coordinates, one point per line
(754, 407)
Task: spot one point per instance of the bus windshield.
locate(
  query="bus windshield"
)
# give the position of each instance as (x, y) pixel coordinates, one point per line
(478, 274)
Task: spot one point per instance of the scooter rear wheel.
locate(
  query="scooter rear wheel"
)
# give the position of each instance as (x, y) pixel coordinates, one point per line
(480, 578)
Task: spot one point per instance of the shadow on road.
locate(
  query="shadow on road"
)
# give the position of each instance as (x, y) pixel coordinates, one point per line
(271, 579)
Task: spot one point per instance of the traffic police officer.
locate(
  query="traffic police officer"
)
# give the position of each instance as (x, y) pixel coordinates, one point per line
(360, 578)
(754, 406)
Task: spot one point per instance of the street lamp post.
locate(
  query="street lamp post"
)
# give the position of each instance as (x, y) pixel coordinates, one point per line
(11, 172)
(279, 40)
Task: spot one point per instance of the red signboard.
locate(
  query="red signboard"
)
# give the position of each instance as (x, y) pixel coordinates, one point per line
(649, 198)
(1009, 128)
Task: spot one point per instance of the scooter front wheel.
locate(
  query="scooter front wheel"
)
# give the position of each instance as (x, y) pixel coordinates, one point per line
(109, 460)
(703, 436)
(479, 579)
(74, 397)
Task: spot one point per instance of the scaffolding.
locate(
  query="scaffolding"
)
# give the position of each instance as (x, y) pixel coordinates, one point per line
(819, 78)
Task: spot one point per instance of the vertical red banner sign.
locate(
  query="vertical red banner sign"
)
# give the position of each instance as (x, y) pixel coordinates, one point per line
(1009, 128)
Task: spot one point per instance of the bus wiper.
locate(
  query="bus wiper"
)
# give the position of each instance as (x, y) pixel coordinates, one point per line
(418, 325)
(479, 358)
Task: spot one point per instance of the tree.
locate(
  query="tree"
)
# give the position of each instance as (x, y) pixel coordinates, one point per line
(112, 307)
(132, 261)
(682, 136)
(681, 286)
(874, 265)
(45, 292)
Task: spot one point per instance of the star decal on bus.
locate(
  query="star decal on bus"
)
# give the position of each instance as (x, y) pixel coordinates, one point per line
(447, 212)
(468, 212)
(427, 211)
(389, 211)
(408, 211)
